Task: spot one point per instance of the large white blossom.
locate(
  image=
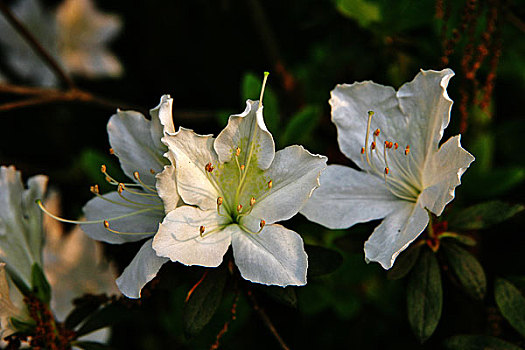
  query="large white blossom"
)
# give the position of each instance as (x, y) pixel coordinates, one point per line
(133, 212)
(75, 34)
(236, 188)
(393, 136)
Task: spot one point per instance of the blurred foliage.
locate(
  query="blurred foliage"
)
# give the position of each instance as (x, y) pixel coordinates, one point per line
(210, 55)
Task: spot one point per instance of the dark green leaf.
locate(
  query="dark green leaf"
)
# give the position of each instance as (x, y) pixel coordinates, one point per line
(363, 11)
(484, 215)
(251, 89)
(463, 239)
(477, 342)
(23, 327)
(493, 183)
(80, 312)
(204, 301)
(404, 262)
(107, 316)
(424, 296)
(322, 261)
(301, 125)
(285, 296)
(39, 284)
(91, 345)
(467, 269)
(511, 304)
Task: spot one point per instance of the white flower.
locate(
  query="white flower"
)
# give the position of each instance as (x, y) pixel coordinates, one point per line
(76, 34)
(406, 172)
(134, 211)
(236, 187)
(21, 233)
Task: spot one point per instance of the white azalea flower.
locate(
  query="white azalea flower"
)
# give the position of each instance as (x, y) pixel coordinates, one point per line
(21, 233)
(76, 34)
(134, 211)
(405, 171)
(236, 187)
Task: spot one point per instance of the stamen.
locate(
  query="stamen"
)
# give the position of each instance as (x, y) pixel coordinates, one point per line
(219, 201)
(252, 201)
(237, 152)
(407, 150)
(111, 151)
(262, 223)
(396, 145)
(106, 226)
(120, 188)
(94, 189)
(377, 132)
(239, 208)
(201, 230)
(152, 172)
(137, 177)
(270, 184)
(373, 145)
(387, 171)
(242, 167)
(362, 150)
(209, 167)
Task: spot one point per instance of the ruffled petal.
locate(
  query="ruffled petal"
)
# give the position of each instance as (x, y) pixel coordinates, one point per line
(395, 233)
(179, 237)
(248, 132)
(347, 197)
(443, 173)
(142, 269)
(130, 137)
(122, 217)
(294, 174)
(162, 121)
(191, 153)
(275, 256)
(167, 188)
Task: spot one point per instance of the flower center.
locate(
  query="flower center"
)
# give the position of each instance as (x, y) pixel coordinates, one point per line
(393, 164)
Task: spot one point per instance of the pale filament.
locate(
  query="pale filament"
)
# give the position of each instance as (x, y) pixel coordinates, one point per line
(106, 226)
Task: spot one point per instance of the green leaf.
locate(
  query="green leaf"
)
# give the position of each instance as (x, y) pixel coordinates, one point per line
(91, 345)
(251, 89)
(467, 269)
(404, 262)
(23, 326)
(424, 296)
(463, 239)
(363, 11)
(494, 183)
(204, 301)
(286, 296)
(39, 284)
(104, 317)
(81, 312)
(511, 304)
(477, 342)
(484, 215)
(322, 261)
(301, 125)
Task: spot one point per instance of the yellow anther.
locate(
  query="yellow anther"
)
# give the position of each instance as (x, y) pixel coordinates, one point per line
(209, 167)
(201, 230)
(270, 184)
(407, 150)
(373, 145)
(111, 151)
(108, 179)
(94, 189)
(152, 171)
(239, 208)
(237, 152)
(362, 150)
(252, 201)
(386, 170)
(103, 168)
(219, 201)
(377, 132)
(242, 167)
(396, 145)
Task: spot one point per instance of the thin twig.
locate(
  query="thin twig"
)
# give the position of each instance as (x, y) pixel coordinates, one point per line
(35, 45)
(266, 320)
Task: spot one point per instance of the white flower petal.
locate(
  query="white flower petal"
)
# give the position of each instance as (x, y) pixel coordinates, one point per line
(443, 173)
(248, 132)
(294, 174)
(162, 121)
(144, 221)
(191, 153)
(347, 197)
(130, 137)
(275, 256)
(180, 240)
(167, 188)
(142, 269)
(7, 308)
(395, 233)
